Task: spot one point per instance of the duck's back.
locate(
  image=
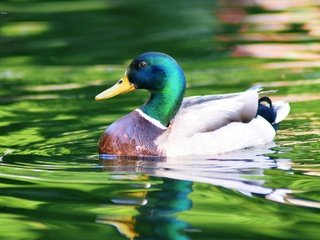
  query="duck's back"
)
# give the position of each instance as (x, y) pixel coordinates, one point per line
(131, 135)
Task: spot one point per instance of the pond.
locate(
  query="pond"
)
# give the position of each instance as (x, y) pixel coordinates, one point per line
(56, 56)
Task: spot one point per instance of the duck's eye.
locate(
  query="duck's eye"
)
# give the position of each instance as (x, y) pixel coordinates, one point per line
(142, 64)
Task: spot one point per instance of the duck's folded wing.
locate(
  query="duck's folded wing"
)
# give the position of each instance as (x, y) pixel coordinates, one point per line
(208, 113)
(195, 100)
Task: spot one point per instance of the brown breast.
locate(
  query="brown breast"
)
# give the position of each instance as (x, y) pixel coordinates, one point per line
(132, 135)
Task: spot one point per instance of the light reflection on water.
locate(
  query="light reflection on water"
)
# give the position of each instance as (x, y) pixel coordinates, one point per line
(242, 171)
(291, 31)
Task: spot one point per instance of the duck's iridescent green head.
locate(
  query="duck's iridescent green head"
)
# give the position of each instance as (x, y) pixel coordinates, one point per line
(156, 72)
(162, 76)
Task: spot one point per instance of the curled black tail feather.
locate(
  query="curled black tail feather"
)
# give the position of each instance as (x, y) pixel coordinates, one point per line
(267, 111)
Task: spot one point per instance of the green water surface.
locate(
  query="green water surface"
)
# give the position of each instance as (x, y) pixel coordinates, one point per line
(55, 56)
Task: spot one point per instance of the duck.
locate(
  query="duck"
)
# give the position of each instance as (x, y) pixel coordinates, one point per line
(169, 124)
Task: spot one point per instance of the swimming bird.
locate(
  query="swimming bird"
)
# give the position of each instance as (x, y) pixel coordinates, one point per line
(168, 124)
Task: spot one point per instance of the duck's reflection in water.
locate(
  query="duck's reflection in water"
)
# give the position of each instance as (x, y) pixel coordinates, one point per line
(157, 204)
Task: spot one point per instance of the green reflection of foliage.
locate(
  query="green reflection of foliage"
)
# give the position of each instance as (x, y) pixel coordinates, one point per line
(234, 215)
(23, 29)
(121, 29)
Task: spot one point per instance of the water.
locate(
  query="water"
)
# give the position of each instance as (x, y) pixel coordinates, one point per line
(56, 56)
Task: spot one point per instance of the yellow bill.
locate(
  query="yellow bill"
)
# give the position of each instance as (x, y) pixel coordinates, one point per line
(122, 86)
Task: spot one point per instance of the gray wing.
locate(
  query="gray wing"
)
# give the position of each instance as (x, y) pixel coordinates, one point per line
(207, 113)
(189, 101)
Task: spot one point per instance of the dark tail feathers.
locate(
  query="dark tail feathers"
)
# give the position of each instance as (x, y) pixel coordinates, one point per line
(267, 111)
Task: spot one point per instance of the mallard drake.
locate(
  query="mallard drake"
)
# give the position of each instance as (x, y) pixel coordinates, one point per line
(170, 125)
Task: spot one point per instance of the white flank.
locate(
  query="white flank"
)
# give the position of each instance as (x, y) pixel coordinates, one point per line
(218, 124)
(150, 119)
(234, 136)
